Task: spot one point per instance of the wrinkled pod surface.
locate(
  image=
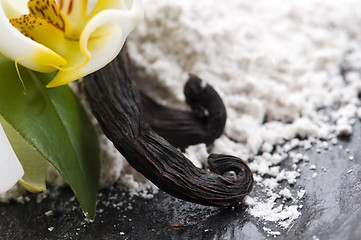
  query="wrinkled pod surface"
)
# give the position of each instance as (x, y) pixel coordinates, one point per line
(117, 105)
(181, 128)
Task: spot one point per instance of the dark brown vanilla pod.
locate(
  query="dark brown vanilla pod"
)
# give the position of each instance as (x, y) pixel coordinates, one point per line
(115, 102)
(203, 125)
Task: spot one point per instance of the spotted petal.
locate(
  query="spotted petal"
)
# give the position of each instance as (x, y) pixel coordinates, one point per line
(101, 50)
(10, 168)
(23, 49)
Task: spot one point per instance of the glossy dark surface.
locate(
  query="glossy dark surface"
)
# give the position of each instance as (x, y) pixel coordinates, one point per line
(331, 209)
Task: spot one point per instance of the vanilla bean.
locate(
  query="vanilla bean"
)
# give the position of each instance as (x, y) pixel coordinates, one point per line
(115, 102)
(181, 128)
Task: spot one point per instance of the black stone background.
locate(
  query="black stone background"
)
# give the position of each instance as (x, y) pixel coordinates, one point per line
(331, 208)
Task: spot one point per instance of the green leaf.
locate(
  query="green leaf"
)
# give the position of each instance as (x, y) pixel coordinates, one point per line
(53, 124)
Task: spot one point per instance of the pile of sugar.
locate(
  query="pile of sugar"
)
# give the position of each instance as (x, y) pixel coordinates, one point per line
(274, 63)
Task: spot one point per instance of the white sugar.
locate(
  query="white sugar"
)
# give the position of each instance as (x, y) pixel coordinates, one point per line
(301, 193)
(197, 154)
(272, 70)
(275, 65)
(312, 167)
(285, 193)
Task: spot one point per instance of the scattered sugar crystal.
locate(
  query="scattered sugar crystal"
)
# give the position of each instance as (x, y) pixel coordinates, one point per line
(289, 215)
(270, 183)
(359, 113)
(307, 145)
(14, 193)
(285, 193)
(257, 178)
(273, 94)
(293, 143)
(112, 162)
(301, 193)
(260, 165)
(277, 158)
(249, 201)
(269, 212)
(274, 171)
(270, 232)
(49, 213)
(312, 167)
(289, 176)
(352, 76)
(297, 157)
(20, 199)
(267, 147)
(137, 185)
(197, 154)
(343, 129)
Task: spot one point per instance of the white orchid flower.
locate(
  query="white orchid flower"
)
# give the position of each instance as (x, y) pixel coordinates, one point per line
(73, 37)
(10, 167)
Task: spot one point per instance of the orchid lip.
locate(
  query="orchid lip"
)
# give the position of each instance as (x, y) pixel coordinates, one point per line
(67, 36)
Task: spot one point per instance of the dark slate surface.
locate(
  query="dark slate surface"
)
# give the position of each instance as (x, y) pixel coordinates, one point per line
(331, 209)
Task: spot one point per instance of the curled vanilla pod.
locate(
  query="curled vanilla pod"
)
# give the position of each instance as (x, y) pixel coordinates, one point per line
(115, 102)
(181, 128)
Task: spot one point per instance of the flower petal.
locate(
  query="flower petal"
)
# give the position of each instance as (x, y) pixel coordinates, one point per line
(15, 9)
(77, 22)
(10, 168)
(108, 4)
(41, 31)
(48, 10)
(25, 51)
(75, 10)
(101, 50)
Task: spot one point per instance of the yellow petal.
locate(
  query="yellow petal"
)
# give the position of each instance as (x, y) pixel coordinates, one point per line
(105, 5)
(100, 51)
(74, 10)
(41, 31)
(77, 15)
(49, 11)
(27, 52)
(103, 50)
(108, 4)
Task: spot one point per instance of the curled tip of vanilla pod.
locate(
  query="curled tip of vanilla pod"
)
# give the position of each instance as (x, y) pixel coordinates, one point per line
(181, 128)
(125, 118)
